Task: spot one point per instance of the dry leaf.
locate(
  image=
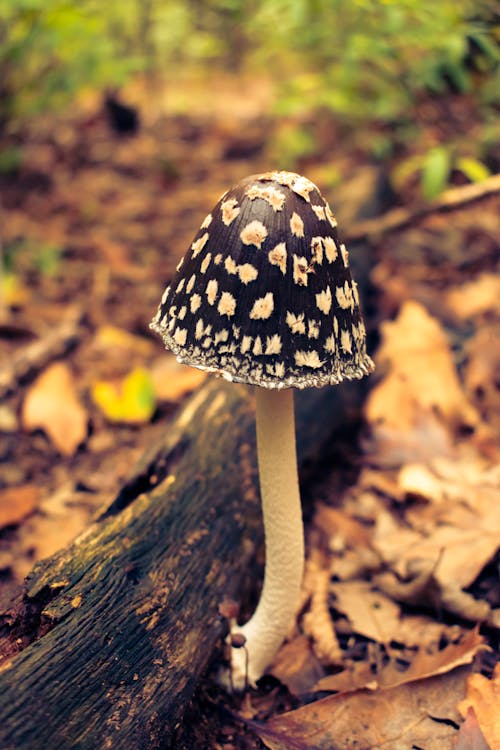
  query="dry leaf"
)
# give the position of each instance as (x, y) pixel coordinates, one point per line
(468, 490)
(455, 555)
(52, 405)
(392, 445)
(317, 622)
(16, 503)
(425, 664)
(421, 376)
(43, 535)
(418, 479)
(424, 631)
(470, 736)
(476, 297)
(8, 419)
(172, 381)
(296, 666)
(481, 372)
(370, 613)
(340, 528)
(111, 337)
(483, 696)
(421, 714)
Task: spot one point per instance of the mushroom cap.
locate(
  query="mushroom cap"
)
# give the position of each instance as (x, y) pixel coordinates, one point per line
(264, 295)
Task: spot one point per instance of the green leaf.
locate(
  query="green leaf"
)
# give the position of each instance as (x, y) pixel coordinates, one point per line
(11, 159)
(435, 172)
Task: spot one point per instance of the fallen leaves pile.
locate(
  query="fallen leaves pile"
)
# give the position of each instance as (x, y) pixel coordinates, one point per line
(401, 585)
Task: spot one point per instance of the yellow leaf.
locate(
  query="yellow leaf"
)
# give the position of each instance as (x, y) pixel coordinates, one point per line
(12, 290)
(132, 400)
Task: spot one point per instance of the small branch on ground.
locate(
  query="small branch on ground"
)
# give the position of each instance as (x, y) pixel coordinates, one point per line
(399, 218)
(32, 358)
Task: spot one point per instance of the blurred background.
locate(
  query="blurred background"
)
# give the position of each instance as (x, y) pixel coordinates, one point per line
(391, 79)
(121, 123)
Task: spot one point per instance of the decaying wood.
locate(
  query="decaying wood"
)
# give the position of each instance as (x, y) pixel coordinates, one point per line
(126, 619)
(398, 218)
(33, 357)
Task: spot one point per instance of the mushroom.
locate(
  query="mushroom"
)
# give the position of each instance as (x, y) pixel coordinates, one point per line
(264, 296)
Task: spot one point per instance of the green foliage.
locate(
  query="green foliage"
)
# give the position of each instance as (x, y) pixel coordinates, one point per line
(11, 159)
(367, 62)
(48, 51)
(372, 60)
(434, 168)
(25, 255)
(290, 142)
(435, 171)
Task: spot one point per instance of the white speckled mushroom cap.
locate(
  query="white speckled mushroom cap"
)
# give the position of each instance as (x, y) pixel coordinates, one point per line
(264, 295)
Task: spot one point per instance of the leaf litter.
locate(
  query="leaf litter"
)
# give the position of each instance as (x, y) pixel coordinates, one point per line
(403, 548)
(397, 607)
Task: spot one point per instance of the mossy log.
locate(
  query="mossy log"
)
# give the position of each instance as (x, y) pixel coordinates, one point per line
(125, 620)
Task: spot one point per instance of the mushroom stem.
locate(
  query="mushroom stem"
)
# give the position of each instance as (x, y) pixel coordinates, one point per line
(284, 536)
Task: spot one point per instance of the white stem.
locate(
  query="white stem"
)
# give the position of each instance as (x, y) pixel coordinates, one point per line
(284, 536)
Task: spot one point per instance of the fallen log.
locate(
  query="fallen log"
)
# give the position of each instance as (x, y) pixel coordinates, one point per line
(125, 619)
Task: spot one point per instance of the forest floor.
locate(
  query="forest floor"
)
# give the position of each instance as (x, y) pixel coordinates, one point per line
(396, 640)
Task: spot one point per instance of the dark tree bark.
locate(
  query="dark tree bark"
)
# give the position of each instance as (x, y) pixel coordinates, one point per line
(126, 619)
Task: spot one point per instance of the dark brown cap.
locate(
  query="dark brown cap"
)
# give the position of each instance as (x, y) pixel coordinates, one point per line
(264, 295)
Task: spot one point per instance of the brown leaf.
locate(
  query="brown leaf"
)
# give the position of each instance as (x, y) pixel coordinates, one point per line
(421, 376)
(481, 372)
(370, 612)
(16, 503)
(470, 736)
(467, 491)
(43, 535)
(341, 528)
(393, 445)
(425, 664)
(483, 696)
(172, 381)
(476, 297)
(296, 666)
(52, 405)
(392, 719)
(455, 556)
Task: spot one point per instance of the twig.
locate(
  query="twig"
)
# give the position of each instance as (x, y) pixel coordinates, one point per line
(3, 306)
(35, 356)
(399, 218)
